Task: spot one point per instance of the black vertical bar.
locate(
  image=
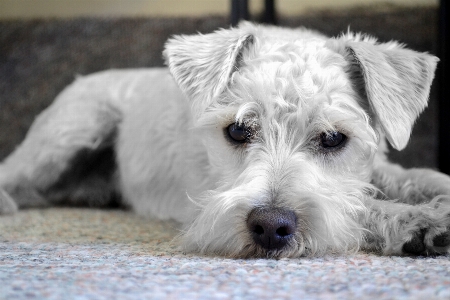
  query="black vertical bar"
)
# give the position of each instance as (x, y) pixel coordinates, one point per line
(234, 12)
(444, 88)
(239, 11)
(269, 12)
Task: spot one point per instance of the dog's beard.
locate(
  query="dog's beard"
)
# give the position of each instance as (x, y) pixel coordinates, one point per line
(327, 218)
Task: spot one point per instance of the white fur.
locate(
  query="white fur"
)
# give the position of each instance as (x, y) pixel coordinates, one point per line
(289, 86)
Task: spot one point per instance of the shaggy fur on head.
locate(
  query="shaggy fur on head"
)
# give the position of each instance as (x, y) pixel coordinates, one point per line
(261, 141)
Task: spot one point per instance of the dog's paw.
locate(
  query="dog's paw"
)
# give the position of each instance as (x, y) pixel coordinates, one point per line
(7, 204)
(418, 244)
(420, 234)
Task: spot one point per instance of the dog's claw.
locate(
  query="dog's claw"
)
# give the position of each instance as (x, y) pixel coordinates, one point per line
(416, 245)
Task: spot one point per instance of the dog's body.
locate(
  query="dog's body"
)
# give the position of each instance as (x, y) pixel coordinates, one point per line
(261, 141)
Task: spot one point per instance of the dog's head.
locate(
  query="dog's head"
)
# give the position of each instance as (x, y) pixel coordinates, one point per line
(292, 121)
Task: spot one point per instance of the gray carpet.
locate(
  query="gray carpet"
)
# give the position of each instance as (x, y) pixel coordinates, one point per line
(113, 254)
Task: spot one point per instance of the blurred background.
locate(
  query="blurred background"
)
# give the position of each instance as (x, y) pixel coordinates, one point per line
(45, 44)
(173, 8)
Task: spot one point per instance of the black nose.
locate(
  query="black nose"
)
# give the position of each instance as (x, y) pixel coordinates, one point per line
(272, 228)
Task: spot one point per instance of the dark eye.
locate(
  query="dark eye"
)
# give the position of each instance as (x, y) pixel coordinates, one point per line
(332, 139)
(238, 133)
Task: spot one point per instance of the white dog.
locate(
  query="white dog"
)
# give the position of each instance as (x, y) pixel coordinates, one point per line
(262, 141)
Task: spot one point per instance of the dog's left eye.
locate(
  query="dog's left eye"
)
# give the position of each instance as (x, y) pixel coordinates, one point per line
(332, 139)
(238, 133)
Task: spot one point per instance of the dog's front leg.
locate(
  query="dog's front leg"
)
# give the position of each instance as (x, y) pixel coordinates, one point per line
(411, 186)
(401, 229)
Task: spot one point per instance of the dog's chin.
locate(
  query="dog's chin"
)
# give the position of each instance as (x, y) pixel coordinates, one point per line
(295, 248)
(238, 243)
(326, 224)
(236, 248)
(245, 248)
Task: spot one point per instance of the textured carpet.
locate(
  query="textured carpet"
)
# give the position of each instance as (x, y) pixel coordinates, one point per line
(67, 253)
(100, 254)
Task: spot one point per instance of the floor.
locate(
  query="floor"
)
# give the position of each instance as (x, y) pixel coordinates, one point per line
(111, 254)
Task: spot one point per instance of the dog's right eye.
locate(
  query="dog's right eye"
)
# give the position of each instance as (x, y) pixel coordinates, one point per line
(238, 133)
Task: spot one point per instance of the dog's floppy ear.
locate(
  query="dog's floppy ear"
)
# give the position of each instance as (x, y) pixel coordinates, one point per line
(202, 65)
(396, 81)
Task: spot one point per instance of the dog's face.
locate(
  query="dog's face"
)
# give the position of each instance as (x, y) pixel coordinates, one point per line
(291, 121)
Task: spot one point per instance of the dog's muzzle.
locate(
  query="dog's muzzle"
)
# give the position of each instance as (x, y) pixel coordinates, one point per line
(272, 228)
